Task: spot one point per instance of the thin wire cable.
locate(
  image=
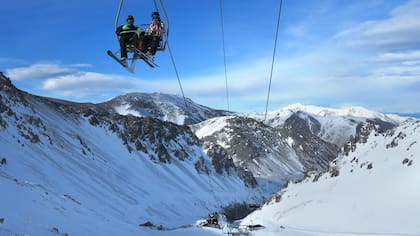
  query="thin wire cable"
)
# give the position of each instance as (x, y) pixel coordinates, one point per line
(177, 76)
(224, 54)
(273, 59)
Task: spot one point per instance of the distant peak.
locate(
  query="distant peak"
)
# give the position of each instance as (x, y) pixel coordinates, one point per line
(149, 95)
(345, 111)
(295, 106)
(300, 107)
(357, 111)
(316, 110)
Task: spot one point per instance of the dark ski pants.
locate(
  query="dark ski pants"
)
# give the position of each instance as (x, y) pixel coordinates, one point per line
(127, 40)
(149, 43)
(154, 43)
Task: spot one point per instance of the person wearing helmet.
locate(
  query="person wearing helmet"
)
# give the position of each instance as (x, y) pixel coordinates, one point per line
(128, 35)
(153, 35)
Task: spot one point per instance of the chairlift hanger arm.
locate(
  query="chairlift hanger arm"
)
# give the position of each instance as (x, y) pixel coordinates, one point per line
(166, 22)
(118, 14)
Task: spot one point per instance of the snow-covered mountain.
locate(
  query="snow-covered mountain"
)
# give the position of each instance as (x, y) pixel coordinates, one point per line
(371, 190)
(268, 152)
(78, 169)
(253, 146)
(166, 107)
(334, 126)
(292, 141)
(352, 111)
(94, 169)
(308, 136)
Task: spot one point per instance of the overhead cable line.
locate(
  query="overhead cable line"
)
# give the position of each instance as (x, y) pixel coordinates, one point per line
(170, 51)
(177, 76)
(224, 53)
(273, 59)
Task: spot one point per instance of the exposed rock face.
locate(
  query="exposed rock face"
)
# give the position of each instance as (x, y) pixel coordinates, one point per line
(313, 152)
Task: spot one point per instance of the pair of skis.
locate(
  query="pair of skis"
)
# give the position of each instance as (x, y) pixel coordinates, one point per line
(137, 55)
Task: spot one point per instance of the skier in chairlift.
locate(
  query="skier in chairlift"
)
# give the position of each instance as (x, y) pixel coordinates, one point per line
(150, 42)
(129, 36)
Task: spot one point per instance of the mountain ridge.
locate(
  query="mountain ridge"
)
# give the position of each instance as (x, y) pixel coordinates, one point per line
(69, 160)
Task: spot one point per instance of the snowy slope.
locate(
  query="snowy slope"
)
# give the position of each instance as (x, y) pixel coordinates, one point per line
(103, 169)
(67, 168)
(376, 192)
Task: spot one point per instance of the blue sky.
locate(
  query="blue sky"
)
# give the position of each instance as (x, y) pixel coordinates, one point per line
(330, 53)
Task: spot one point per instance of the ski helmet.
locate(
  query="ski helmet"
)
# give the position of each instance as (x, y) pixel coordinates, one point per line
(130, 17)
(155, 14)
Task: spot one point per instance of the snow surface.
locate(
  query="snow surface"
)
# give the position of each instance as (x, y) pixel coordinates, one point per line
(80, 179)
(126, 110)
(376, 193)
(210, 126)
(49, 188)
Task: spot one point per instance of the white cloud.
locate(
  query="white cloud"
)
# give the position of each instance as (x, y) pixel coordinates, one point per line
(385, 71)
(83, 84)
(399, 56)
(69, 81)
(81, 65)
(399, 32)
(39, 71)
